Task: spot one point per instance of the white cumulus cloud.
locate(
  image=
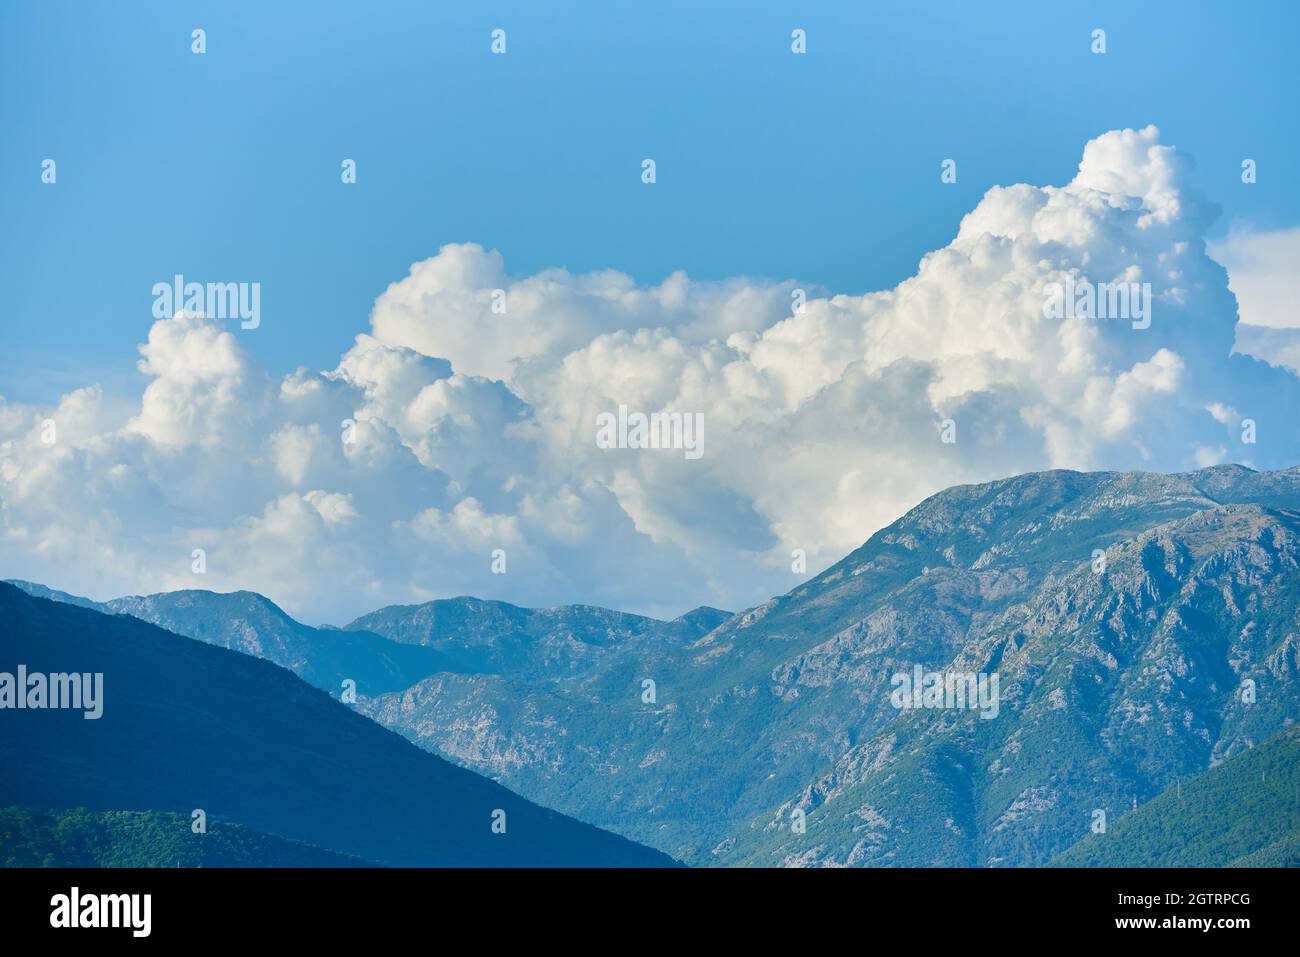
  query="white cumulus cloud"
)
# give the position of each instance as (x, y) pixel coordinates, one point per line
(464, 419)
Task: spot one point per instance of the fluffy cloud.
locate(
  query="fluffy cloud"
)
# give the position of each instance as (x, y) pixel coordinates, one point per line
(1262, 266)
(1264, 277)
(465, 420)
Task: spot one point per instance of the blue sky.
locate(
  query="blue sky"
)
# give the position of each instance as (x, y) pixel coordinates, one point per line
(821, 168)
(474, 430)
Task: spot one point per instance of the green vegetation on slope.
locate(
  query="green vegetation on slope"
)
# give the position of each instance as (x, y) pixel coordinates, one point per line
(1243, 813)
(83, 838)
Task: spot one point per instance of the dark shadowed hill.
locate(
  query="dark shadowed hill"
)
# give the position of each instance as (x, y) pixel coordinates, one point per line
(186, 725)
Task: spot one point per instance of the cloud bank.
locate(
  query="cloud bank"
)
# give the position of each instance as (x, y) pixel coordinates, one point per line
(464, 421)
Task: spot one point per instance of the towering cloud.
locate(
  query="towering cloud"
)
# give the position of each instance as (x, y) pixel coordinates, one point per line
(465, 421)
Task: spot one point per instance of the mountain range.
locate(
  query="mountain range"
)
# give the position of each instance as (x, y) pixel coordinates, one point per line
(186, 726)
(1143, 629)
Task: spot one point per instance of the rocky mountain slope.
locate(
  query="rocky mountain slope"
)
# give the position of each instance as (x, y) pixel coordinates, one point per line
(493, 637)
(1115, 680)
